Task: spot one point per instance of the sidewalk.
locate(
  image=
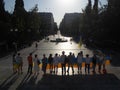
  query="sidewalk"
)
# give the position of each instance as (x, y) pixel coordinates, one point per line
(6, 73)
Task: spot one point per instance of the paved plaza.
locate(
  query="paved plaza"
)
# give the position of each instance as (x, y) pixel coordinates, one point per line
(10, 81)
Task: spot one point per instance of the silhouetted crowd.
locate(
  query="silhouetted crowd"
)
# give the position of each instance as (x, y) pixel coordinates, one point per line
(96, 63)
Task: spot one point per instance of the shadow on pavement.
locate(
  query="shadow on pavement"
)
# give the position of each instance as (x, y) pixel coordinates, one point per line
(27, 76)
(75, 82)
(8, 82)
(116, 60)
(27, 80)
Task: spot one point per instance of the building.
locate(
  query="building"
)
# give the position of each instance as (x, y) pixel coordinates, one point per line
(47, 23)
(70, 24)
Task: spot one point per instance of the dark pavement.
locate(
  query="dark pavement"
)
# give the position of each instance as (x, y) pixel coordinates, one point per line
(72, 82)
(83, 82)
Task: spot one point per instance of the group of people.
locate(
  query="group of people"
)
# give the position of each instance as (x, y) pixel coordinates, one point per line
(64, 60)
(17, 63)
(71, 60)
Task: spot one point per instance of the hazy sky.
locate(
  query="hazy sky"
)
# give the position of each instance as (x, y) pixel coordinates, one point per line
(57, 7)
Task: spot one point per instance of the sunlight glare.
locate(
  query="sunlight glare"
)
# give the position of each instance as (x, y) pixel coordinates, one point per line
(66, 3)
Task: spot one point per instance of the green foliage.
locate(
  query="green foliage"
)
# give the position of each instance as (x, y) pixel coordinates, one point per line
(34, 22)
(5, 22)
(34, 9)
(2, 9)
(99, 24)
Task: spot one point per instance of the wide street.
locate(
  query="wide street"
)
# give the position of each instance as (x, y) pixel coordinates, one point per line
(10, 81)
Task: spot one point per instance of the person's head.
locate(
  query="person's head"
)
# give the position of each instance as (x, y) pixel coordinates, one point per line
(63, 52)
(43, 55)
(87, 55)
(30, 54)
(50, 55)
(81, 52)
(70, 53)
(18, 54)
(78, 53)
(56, 54)
(35, 55)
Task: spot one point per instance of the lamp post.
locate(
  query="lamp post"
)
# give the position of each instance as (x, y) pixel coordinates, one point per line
(11, 30)
(16, 30)
(14, 43)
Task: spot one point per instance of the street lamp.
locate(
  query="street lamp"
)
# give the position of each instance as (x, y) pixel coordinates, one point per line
(11, 30)
(14, 43)
(16, 30)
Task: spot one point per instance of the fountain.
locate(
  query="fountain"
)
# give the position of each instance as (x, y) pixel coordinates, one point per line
(59, 39)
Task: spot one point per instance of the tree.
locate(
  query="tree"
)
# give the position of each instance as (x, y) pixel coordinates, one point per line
(18, 4)
(19, 22)
(4, 22)
(87, 20)
(111, 19)
(2, 9)
(34, 22)
(19, 15)
(99, 24)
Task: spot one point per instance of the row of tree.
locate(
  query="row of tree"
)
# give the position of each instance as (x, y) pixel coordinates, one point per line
(99, 26)
(20, 26)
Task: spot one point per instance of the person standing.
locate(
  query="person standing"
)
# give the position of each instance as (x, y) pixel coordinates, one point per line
(50, 61)
(70, 62)
(14, 63)
(79, 62)
(44, 63)
(19, 61)
(63, 63)
(100, 62)
(74, 59)
(94, 60)
(87, 63)
(55, 63)
(104, 62)
(36, 65)
(30, 63)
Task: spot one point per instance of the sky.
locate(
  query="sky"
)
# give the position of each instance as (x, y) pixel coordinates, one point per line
(57, 7)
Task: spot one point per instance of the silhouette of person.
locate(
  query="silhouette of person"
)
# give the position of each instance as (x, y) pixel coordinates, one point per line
(55, 63)
(14, 63)
(19, 61)
(79, 62)
(36, 66)
(50, 61)
(44, 63)
(30, 63)
(63, 63)
(87, 63)
(70, 62)
(101, 62)
(94, 60)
